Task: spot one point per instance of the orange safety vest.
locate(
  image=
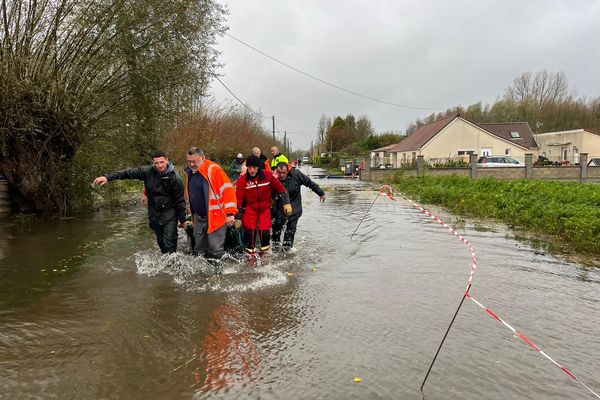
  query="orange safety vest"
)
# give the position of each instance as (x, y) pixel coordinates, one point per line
(221, 194)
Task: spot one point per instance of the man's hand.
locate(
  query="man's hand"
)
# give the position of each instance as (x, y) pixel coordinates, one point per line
(230, 220)
(238, 223)
(322, 198)
(101, 180)
(287, 210)
(184, 224)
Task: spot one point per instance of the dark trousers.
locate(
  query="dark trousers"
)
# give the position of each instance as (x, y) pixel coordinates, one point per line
(252, 237)
(290, 229)
(166, 235)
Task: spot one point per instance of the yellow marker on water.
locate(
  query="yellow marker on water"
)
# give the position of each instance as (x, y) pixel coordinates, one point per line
(314, 269)
(358, 379)
(290, 274)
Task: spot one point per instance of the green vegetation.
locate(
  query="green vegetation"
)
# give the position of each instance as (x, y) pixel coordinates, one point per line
(91, 86)
(568, 211)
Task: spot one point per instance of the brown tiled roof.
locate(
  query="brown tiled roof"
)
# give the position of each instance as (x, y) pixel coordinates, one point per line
(503, 130)
(422, 135)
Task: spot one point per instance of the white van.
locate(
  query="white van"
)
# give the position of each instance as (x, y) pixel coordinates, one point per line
(304, 160)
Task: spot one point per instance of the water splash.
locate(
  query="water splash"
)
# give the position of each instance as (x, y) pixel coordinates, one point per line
(197, 274)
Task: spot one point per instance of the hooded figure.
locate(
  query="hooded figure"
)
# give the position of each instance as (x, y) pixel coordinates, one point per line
(236, 167)
(254, 191)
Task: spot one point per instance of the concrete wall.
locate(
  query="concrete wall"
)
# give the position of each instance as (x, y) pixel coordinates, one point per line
(573, 173)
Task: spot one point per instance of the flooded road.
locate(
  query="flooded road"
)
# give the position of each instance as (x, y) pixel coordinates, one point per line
(89, 310)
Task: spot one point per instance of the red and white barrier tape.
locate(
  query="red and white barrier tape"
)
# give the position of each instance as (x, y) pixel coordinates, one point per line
(516, 332)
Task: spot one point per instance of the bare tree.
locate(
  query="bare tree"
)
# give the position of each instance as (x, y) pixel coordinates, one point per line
(541, 88)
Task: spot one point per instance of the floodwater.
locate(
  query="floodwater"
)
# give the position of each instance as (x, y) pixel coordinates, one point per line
(89, 310)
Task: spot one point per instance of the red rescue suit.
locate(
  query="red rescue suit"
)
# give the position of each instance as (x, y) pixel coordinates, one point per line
(255, 194)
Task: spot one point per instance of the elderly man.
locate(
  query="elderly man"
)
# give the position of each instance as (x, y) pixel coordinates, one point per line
(277, 157)
(292, 180)
(264, 162)
(212, 201)
(166, 202)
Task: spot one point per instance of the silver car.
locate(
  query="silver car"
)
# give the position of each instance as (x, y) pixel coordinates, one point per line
(498, 161)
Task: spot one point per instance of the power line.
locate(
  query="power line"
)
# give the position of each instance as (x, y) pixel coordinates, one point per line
(328, 83)
(252, 111)
(237, 98)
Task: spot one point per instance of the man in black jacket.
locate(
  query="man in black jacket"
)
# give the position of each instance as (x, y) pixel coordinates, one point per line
(292, 181)
(166, 201)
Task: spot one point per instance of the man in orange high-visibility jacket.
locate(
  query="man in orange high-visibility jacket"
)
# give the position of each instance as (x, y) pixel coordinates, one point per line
(212, 201)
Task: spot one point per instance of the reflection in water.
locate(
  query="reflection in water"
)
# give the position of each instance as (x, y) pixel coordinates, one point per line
(229, 351)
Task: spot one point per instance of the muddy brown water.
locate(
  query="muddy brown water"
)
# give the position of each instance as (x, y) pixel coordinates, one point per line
(89, 310)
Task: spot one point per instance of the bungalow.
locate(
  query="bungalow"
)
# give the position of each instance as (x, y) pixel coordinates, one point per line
(456, 136)
(567, 145)
(381, 156)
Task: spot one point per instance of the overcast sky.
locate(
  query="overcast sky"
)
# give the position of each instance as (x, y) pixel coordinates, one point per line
(427, 53)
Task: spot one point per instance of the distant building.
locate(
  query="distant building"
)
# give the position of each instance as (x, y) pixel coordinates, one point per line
(567, 145)
(456, 137)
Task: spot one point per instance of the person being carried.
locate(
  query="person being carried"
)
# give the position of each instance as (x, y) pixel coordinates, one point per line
(277, 157)
(235, 169)
(292, 180)
(254, 191)
(212, 201)
(166, 202)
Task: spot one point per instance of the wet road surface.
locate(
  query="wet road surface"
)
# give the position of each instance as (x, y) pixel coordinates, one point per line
(88, 309)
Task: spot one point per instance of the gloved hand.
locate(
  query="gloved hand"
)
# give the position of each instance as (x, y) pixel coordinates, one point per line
(238, 223)
(287, 210)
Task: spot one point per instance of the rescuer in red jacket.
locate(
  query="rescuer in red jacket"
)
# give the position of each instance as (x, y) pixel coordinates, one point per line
(254, 192)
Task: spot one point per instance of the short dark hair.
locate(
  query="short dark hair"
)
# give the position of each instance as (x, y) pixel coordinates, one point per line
(283, 164)
(195, 151)
(159, 153)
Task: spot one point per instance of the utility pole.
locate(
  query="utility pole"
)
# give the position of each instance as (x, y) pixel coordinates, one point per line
(285, 149)
(311, 150)
(273, 130)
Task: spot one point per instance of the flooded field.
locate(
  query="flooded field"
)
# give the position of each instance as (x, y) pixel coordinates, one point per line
(90, 310)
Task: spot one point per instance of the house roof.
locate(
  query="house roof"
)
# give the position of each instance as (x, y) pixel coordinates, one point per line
(593, 131)
(422, 135)
(595, 161)
(504, 129)
(386, 148)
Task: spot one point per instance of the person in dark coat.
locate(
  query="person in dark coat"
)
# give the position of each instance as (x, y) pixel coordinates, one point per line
(292, 180)
(254, 192)
(166, 201)
(235, 169)
(264, 162)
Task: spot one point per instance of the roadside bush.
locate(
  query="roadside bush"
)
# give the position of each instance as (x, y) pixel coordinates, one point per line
(568, 211)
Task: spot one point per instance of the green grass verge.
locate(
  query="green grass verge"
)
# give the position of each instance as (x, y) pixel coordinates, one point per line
(567, 211)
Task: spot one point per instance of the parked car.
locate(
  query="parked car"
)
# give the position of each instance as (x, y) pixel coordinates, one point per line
(543, 161)
(498, 161)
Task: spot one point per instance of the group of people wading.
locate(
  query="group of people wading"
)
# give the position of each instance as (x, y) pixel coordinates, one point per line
(266, 195)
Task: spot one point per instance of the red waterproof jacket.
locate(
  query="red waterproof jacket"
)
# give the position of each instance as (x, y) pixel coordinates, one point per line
(255, 194)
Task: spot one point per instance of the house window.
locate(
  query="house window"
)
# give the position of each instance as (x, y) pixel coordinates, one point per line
(515, 135)
(486, 151)
(465, 152)
(507, 152)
